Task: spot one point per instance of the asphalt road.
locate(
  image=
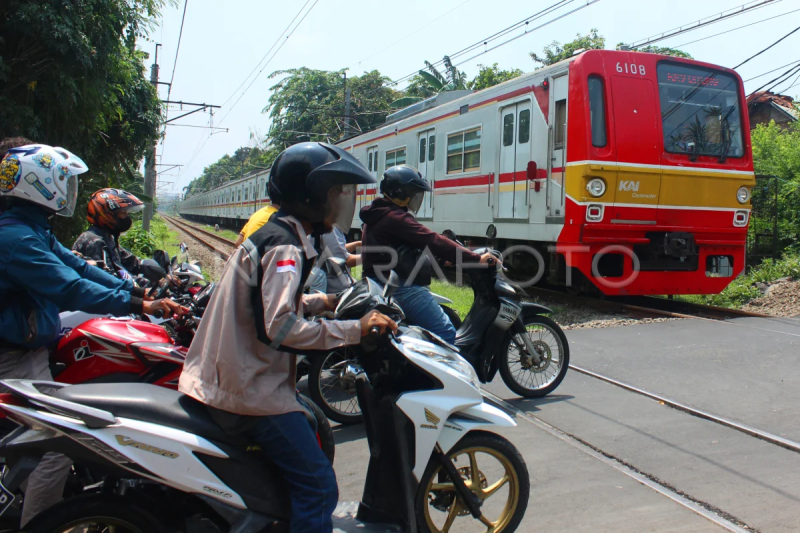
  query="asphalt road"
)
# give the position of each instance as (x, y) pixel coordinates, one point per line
(588, 473)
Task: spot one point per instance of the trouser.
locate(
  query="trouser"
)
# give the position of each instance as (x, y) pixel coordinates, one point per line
(291, 445)
(46, 483)
(422, 310)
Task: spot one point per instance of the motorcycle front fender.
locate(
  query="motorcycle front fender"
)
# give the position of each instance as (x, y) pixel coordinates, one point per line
(479, 416)
(532, 309)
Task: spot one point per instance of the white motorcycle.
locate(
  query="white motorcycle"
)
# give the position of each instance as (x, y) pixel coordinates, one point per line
(433, 465)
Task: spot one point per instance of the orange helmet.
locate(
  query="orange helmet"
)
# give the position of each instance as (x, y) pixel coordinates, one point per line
(106, 203)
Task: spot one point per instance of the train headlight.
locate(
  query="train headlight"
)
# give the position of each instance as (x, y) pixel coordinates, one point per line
(743, 195)
(596, 187)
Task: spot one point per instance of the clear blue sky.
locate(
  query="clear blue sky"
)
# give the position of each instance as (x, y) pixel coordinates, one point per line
(224, 41)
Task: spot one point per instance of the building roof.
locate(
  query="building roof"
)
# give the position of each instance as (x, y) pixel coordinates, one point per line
(780, 102)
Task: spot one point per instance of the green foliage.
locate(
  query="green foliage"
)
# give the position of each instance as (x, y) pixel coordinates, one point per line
(308, 105)
(70, 75)
(491, 76)
(244, 160)
(555, 52)
(776, 152)
(663, 50)
(430, 82)
(143, 244)
(741, 290)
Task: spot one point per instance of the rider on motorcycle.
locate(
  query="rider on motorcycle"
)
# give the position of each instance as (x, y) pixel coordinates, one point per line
(39, 277)
(242, 361)
(389, 222)
(108, 214)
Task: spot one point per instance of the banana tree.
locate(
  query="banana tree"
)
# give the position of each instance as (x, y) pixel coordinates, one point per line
(429, 82)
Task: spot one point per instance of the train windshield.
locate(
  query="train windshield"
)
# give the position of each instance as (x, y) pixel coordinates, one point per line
(700, 111)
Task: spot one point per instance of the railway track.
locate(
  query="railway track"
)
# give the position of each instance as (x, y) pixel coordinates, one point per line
(204, 237)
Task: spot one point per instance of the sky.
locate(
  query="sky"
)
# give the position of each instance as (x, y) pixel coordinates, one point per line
(223, 42)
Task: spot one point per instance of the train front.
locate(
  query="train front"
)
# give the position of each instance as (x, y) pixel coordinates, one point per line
(659, 174)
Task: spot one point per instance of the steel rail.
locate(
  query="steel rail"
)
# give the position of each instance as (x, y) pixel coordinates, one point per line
(742, 428)
(183, 227)
(204, 232)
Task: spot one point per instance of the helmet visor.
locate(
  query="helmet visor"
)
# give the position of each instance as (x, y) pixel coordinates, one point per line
(132, 209)
(416, 202)
(72, 197)
(343, 207)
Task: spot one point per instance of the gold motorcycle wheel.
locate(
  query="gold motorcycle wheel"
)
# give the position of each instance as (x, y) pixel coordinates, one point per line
(492, 469)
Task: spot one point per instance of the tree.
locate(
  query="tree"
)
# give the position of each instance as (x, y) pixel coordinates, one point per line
(555, 52)
(431, 82)
(663, 50)
(70, 75)
(308, 105)
(491, 76)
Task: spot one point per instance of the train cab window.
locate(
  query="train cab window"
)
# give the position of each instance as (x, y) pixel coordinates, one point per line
(432, 148)
(422, 146)
(700, 111)
(464, 151)
(524, 126)
(597, 111)
(508, 130)
(395, 157)
(561, 124)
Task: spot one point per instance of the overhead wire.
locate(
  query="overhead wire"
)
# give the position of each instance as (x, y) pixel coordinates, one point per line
(767, 48)
(736, 28)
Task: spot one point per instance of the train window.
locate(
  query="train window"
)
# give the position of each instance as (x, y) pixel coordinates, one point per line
(508, 129)
(395, 157)
(266, 189)
(422, 149)
(597, 111)
(369, 161)
(524, 126)
(245, 195)
(700, 111)
(432, 148)
(561, 124)
(464, 151)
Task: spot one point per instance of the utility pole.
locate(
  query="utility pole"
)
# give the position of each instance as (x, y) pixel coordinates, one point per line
(346, 107)
(150, 160)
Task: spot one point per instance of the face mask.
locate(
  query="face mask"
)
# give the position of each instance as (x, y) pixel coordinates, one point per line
(124, 224)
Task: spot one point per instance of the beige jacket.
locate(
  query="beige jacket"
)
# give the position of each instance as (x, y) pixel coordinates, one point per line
(227, 367)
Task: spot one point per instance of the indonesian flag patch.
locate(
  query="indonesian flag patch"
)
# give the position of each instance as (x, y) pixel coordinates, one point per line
(287, 265)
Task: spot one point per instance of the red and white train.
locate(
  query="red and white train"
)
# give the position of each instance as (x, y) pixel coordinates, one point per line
(628, 171)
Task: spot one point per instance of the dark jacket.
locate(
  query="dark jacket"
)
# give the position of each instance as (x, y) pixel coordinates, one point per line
(388, 224)
(94, 241)
(39, 278)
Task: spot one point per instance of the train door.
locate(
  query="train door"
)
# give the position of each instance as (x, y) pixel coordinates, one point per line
(638, 151)
(557, 145)
(515, 152)
(364, 196)
(426, 141)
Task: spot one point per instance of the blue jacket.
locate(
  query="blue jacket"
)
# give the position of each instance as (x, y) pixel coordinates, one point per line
(39, 278)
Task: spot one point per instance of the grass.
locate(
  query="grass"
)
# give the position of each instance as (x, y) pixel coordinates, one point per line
(227, 233)
(741, 289)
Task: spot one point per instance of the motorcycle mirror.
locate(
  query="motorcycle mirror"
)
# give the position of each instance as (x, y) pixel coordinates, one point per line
(392, 284)
(152, 271)
(174, 261)
(162, 258)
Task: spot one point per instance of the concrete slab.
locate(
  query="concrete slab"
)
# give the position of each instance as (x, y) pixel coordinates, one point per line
(754, 481)
(747, 370)
(570, 491)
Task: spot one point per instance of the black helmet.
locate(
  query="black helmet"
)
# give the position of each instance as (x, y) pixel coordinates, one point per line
(405, 186)
(302, 175)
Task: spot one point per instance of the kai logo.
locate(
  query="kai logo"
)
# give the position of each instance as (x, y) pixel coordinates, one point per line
(433, 420)
(629, 186)
(127, 441)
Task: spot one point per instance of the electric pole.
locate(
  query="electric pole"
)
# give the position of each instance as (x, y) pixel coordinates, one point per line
(346, 108)
(150, 160)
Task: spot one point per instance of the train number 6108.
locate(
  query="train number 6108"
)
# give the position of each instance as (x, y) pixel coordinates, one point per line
(633, 68)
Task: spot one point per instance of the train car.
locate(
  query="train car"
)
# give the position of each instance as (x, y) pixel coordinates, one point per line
(626, 171)
(622, 171)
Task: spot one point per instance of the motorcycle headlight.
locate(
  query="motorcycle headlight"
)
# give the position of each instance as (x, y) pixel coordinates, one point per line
(743, 194)
(596, 187)
(445, 357)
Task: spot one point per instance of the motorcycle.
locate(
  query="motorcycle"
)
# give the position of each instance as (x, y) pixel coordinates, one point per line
(333, 392)
(434, 464)
(500, 332)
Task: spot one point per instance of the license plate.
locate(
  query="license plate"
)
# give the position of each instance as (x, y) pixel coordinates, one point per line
(6, 499)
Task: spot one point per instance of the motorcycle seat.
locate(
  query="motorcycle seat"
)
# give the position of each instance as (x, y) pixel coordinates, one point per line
(150, 403)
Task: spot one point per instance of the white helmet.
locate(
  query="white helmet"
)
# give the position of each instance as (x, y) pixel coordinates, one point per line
(43, 175)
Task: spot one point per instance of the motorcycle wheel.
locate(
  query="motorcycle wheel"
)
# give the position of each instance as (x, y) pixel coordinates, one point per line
(453, 316)
(522, 375)
(336, 398)
(502, 483)
(95, 512)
